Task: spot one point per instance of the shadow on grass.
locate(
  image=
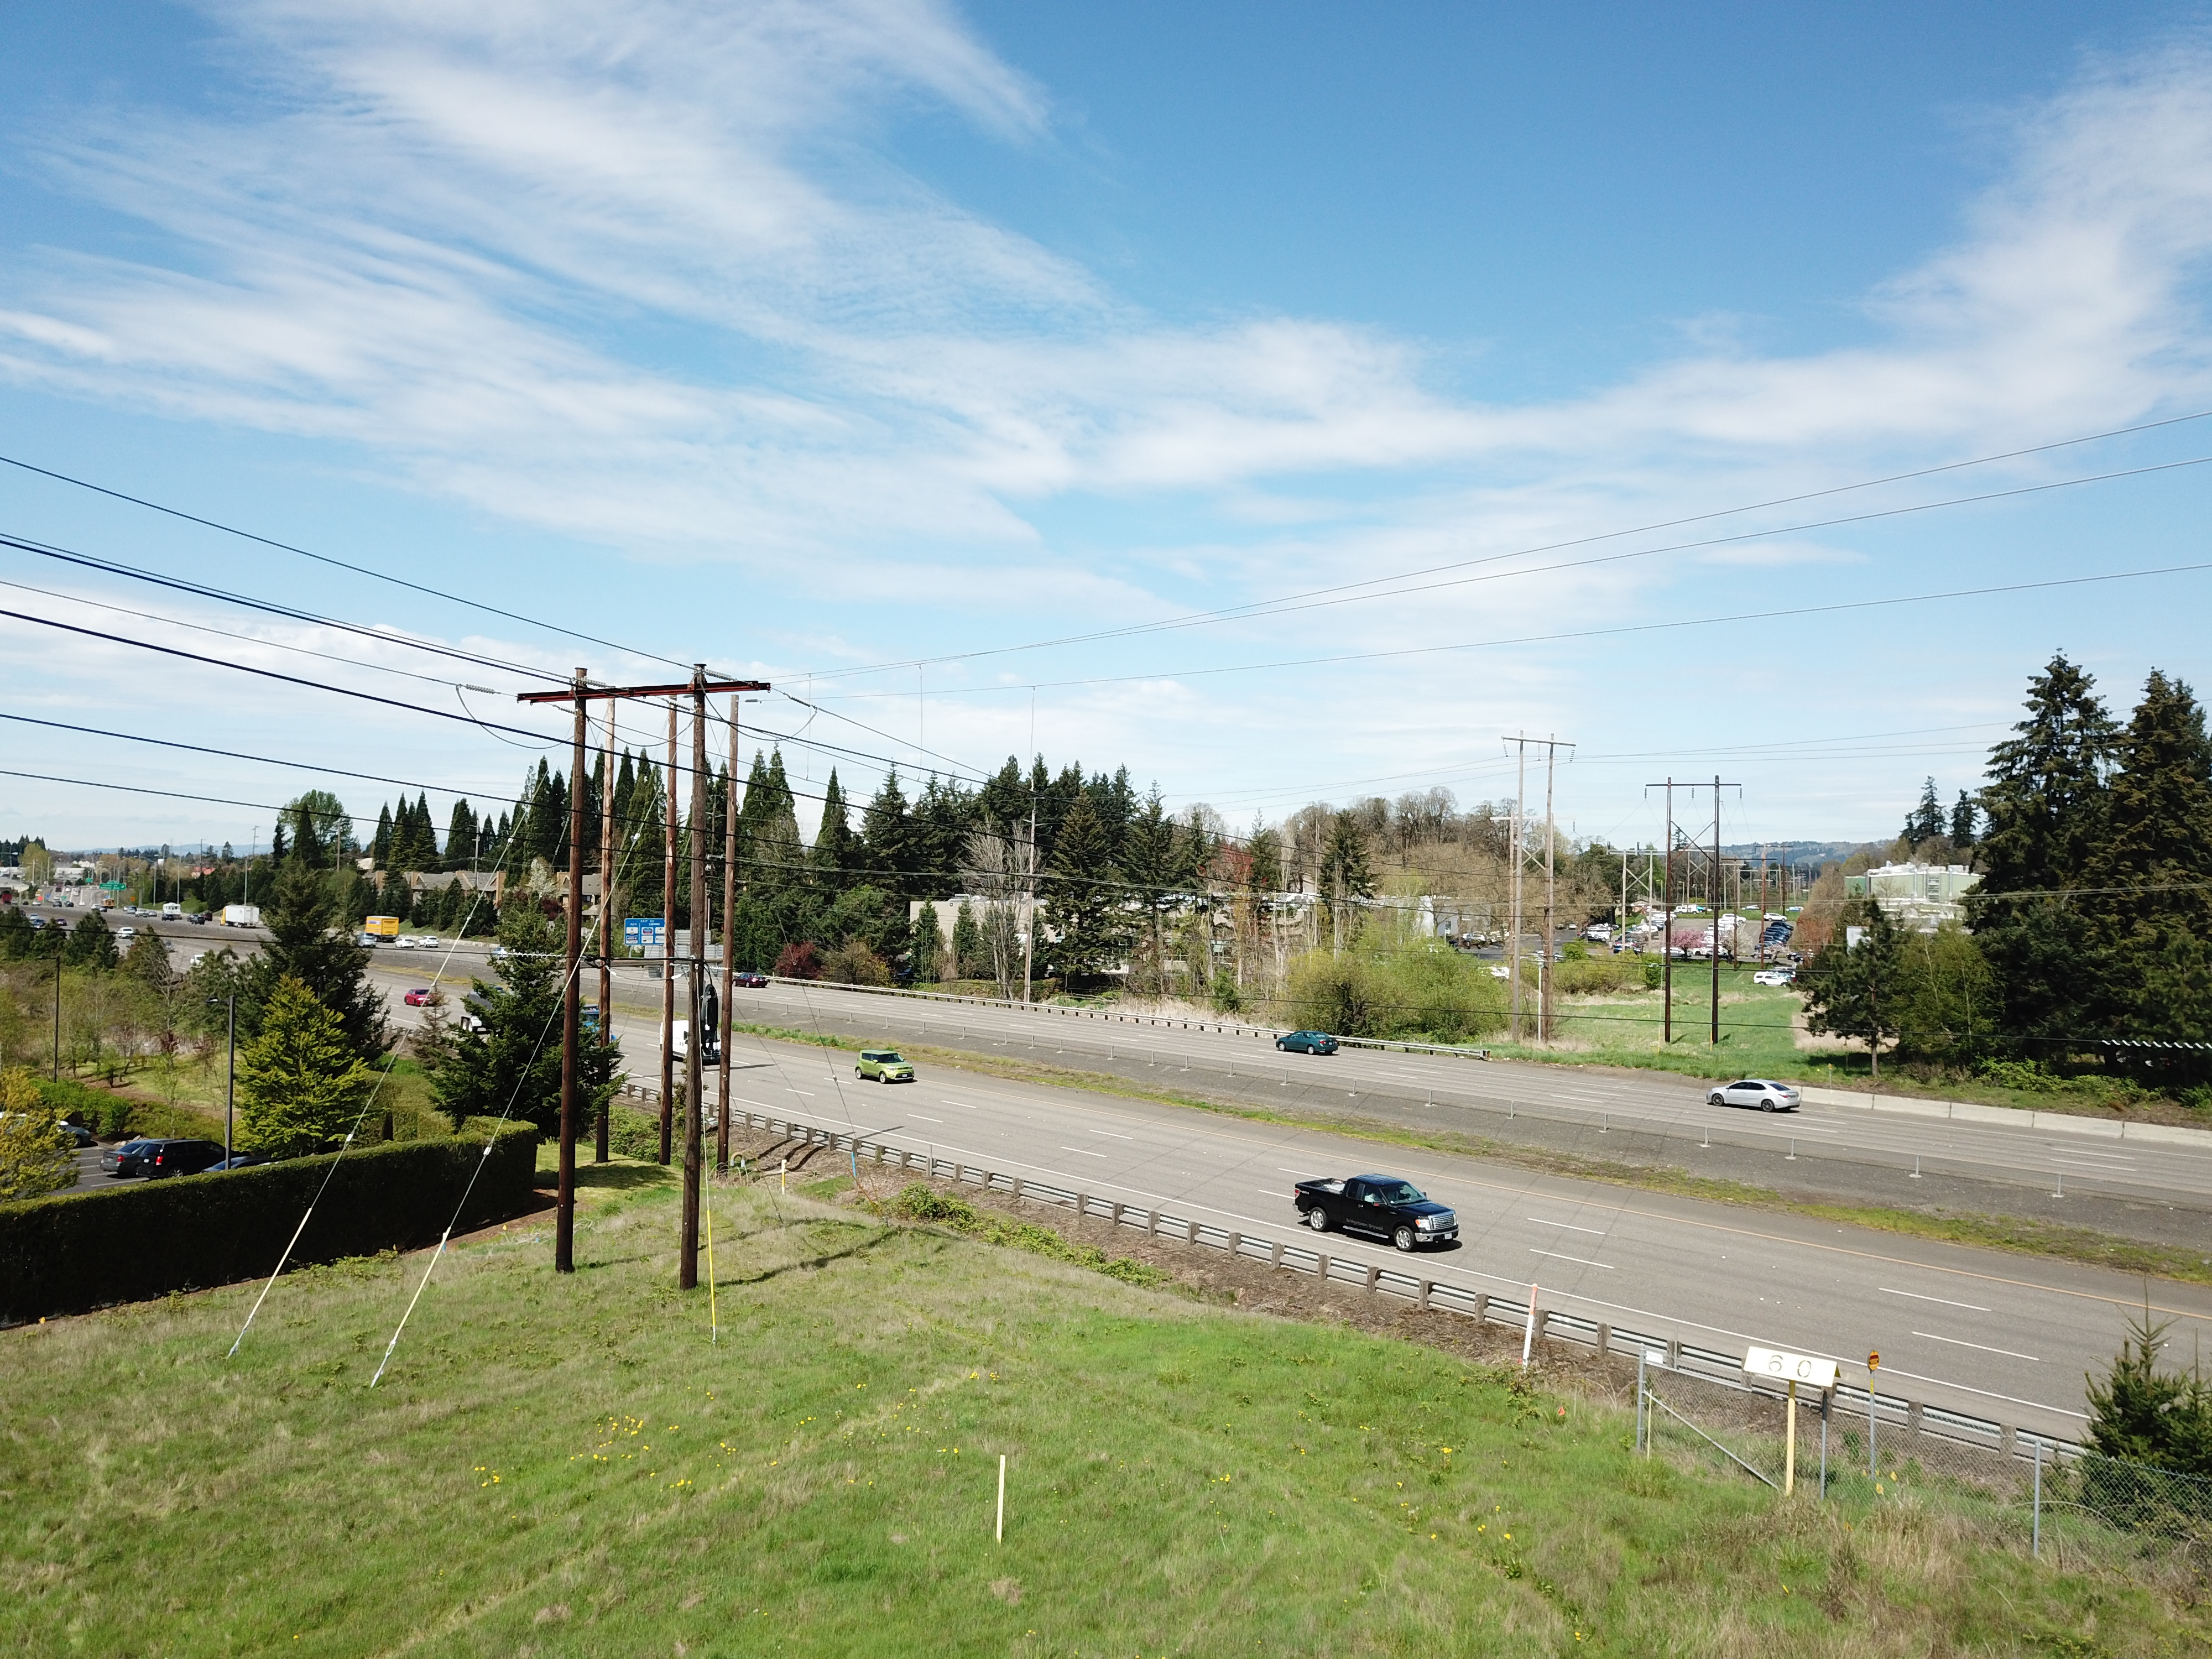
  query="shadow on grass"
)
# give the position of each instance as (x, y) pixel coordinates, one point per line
(615, 1177)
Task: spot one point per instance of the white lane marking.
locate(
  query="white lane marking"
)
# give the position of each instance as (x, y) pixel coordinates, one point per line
(1581, 1298)
(1569, 1225)
(956, 1102)
(2102, 1161)
(809, 1093)
(1085, 1150)
(925, 1117)
(2089, 1152)
(1584, 1260)
(1984, 1347)
(1972, 1307)
(1281, 1169)
(1266, 1192)
(1109, 1132)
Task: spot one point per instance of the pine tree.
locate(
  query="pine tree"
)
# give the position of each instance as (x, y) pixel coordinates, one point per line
(149, 963)
(2148, 907)
(1346, 874)
(461, 837)
(307, 944)
(1148, 869)
(966, 943)
(1962, 822)
(515, 1061)
(1860, 992)
(1084, 905)
(2045, 809)
(1924, 822)
(887, 831)
(2161, 1418)
(835, 848)
(300, 1082)
(90, 944)
(927, 946)
(379, 848)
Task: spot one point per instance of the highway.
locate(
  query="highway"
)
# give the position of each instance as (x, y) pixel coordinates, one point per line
(1992, 1334)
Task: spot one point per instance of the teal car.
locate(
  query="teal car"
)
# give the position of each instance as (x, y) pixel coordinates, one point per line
(884, 1064)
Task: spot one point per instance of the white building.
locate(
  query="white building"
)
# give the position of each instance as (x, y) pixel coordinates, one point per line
(1920, 896)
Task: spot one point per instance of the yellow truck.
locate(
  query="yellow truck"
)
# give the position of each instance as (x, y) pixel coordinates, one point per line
(382, 927)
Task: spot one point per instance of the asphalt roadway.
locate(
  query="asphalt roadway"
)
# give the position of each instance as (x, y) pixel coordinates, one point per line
(1995, 1333)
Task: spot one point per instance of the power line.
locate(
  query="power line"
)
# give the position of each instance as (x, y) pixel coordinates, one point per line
(336, 563)
(1287, 603)
(1575, 634)
(201, 590)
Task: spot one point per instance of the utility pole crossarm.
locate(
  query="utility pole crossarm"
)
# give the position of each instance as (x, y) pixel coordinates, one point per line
(593, 694)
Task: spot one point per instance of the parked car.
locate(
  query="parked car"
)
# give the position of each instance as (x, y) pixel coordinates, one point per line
(179, 1158)
(1774, 977)
(127, 1157)
(420, 997)
(78, 1135)
(1385, 1206)
(236, 1161)
(1755, 1091)
(1306, 1043)
(750, 981)
(884, 1064)
(124, 935)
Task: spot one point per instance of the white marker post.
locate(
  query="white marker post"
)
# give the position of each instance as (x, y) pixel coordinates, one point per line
(1000, 1536)
(1529, 1336)
(1790, 1368)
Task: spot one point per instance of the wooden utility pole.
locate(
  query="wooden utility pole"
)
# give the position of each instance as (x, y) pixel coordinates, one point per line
(564, 1215)
(729, 934)
(606, 913)
(687, 1270)
(697, 689)
(668, 953)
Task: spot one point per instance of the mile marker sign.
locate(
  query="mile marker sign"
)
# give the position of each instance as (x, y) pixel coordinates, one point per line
(1779, 1367)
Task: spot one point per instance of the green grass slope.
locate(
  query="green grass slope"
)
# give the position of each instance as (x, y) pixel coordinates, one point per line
(570, 1467)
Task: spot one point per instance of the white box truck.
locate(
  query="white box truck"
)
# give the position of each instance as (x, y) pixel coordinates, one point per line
(241, 915)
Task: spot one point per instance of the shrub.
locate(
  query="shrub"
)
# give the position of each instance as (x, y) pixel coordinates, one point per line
(633, 1134)
(1420, 989)
(921, 1202)
(854, 964)
(79, 1250)
(35, 1157)
(299, 1083)
(798, 960)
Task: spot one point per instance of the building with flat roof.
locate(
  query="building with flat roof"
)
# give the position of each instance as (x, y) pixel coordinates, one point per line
(1920, 897)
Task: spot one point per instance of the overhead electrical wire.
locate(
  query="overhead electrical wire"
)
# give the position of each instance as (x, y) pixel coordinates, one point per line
(336, 563)
(201, 590)
(1572, 633)
(1310, 598)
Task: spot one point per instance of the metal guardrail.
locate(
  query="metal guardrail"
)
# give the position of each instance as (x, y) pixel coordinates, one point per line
(1906, 1423)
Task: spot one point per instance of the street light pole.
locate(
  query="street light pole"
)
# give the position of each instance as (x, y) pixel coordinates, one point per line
(230, 1080)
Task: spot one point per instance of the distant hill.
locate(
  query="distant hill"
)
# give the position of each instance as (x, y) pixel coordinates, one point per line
(1799, 855)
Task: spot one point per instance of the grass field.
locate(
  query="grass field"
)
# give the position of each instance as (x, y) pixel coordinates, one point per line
(569, 1466)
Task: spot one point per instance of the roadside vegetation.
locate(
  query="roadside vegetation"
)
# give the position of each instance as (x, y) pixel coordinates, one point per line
(572, 1466)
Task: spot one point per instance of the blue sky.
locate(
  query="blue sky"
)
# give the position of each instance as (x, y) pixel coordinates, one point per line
(816, 340)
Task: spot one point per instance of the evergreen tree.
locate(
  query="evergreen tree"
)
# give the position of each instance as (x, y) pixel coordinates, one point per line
(514, 1063)
(149, 963)
(90, 944)
(2149, 902)
(301, 1081)
(461, 837)
(1148, 870)
(1083, 905)
(2043, 811)
(1345, 874)
(1859, 992)
(307, 943)
(927, 946)
(380, 847)
(322, 833)
(1924, 822)
(944, 819)
(775, 857)
(887, 832)
(1265, 848)
(967, 944)
(2162, 1419)
(1962, 822)
(835, 848)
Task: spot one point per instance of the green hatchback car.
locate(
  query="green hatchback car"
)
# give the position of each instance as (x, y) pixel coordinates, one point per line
(884, 1064)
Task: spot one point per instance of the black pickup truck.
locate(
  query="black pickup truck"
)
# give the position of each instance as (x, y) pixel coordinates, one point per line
(1384, 1206)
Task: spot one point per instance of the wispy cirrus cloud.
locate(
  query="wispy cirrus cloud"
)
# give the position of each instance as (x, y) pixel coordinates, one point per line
(463, 239)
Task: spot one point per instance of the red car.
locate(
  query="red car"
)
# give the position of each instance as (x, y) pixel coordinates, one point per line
(750, 981)
(419, 997)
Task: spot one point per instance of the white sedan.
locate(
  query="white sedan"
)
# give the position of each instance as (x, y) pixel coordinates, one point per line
(1774, 977)
(1757, 1092)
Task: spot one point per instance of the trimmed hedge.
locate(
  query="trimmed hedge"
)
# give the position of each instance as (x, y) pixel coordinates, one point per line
(78, 1250)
